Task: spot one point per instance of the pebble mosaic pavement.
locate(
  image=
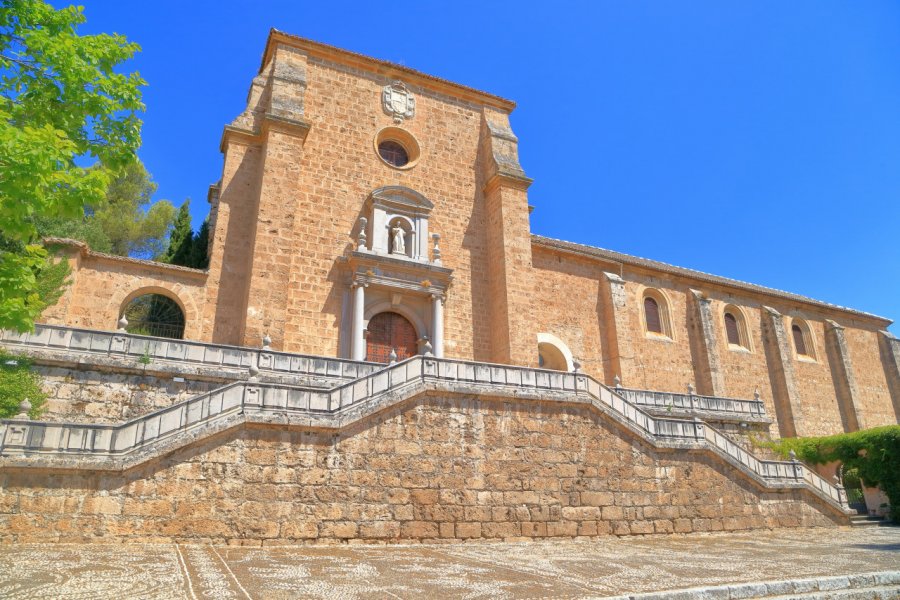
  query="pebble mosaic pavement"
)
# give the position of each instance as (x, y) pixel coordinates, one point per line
(545, 569)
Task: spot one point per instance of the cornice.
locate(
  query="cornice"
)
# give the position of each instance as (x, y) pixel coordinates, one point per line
(382, 67)
(270, 122)
(653, 265)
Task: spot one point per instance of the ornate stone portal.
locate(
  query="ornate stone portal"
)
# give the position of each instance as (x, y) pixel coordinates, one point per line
(391, 271)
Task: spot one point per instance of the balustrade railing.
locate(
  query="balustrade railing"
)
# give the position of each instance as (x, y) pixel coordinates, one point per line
(694, 402)
(146, 350)
(251, 397)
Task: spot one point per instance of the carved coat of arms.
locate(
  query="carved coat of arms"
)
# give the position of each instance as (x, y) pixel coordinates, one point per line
(398, 101)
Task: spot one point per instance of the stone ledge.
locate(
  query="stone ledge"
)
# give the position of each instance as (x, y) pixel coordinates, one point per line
(870, 584)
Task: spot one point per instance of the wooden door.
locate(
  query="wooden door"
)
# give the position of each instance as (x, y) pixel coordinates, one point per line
(388, 331)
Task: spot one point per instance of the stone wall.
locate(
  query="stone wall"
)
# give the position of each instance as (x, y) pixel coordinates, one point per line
(102, 285)
(602, 324)
(91, 396)
(432, 469)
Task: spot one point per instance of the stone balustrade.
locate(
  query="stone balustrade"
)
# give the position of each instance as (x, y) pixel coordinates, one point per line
(716, 407)
(68, 344)
(26, 443)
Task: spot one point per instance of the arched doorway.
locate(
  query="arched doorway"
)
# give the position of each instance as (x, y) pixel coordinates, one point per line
(389, 330)
(154, 314)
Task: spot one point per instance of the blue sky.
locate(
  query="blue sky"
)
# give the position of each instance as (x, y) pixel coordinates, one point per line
(755, 140)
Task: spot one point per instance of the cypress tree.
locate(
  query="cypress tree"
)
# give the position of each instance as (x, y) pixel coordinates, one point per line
(181, 241)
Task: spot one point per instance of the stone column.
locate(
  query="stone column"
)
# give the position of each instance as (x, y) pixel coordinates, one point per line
(615, 330)
(780, 361)
(358, 340)
(437, 325)
(705, 347)
(842, 374)
(890, 357)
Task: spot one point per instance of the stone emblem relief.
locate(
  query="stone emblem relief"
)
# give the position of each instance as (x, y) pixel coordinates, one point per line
(398, 101)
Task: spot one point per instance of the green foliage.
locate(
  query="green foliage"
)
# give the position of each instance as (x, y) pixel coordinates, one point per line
(874, 455)
(84, 229)
(17, 382)
(186, 248)
(60, 100)
(125, 222)
(200, 253)
(134, 224)
(181, 241)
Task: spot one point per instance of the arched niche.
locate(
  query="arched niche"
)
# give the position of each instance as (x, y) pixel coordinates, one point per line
(554, 354)
(392, 206)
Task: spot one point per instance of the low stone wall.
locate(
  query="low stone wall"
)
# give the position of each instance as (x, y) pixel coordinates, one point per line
(93, 396)
(434, 468)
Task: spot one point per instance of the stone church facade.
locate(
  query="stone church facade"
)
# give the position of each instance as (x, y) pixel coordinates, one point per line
(381, 349)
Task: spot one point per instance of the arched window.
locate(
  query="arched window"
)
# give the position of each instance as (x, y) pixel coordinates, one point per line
(651, 312)
(731, 329)
(156, 315)
(736, 328)
(656, 314)
(803, 344)
(390, 331)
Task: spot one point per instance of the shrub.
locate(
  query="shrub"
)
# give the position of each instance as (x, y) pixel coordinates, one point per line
(17, 382)
(874, 454)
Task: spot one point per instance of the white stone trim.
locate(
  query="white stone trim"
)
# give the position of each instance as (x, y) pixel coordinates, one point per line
(552, 340)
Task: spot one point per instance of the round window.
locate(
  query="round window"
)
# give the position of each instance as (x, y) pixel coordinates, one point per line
(397, 148)
(393, 153)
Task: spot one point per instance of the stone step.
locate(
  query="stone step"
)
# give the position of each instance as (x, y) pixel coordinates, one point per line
(877, 585)
(868, 521)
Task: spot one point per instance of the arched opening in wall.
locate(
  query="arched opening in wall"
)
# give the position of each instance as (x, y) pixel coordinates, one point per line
(553, 353)
(156, 315)
(736, 328)
(853, 486)
(803, 343)
(390, 331)
(655, 309)
(549, 357)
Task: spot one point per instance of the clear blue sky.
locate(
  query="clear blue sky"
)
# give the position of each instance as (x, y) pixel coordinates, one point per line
(755, 140)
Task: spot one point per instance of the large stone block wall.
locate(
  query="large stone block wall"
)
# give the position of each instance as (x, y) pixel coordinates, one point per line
(556, 311)
(90, 396)
(875, 403)
(574, 303)
(432, 469)
(330, 176)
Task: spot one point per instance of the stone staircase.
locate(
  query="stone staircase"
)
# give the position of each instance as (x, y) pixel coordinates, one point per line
(25, 443)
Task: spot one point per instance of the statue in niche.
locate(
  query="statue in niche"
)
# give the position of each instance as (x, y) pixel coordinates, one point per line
(399, 241)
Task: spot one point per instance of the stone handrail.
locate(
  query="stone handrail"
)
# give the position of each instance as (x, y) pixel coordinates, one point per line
(753, 410)
(22, 441)
(153, 350)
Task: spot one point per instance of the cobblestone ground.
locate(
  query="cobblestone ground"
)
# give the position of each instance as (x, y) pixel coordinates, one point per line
(546, 569)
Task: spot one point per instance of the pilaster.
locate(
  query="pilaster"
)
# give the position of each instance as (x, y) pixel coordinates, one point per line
(890, 358)
(781, 372)
(842, 374)
(705, 347)
(615, 329)
(508, 240)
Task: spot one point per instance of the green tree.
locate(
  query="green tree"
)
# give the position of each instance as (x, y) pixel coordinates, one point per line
(185, 247)
(200, 253)
(181, 240)
(125, 222)
(61, 101)
(134, 224)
